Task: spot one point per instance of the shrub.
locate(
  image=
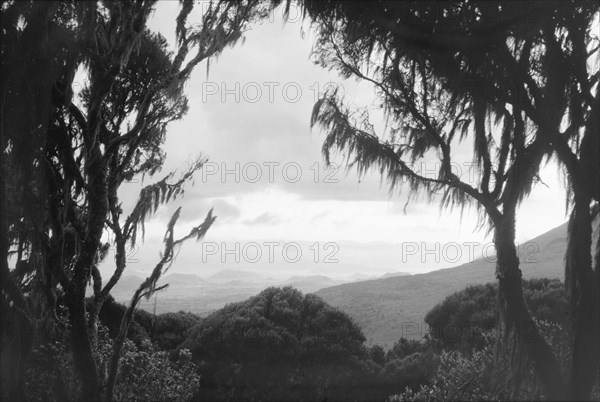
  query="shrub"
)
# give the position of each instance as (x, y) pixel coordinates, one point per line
(276, 345)
(145, 373)
(458, 322)
(485, 374)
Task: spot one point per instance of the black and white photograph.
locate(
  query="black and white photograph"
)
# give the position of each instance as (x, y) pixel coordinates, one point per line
(300, 200)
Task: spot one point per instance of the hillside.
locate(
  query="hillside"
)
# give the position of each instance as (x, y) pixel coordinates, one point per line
(394, 307)
(189, 292)
(379, 304)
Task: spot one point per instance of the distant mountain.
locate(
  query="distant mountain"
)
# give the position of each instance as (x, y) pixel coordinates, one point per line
(189, 292)
(126, 285)
(392, 307)
(359, 277)
(229, 275)
(184, 280)
(129, 283)
(392, 274)
(312, 283)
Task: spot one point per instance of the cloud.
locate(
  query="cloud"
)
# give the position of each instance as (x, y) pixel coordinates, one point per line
(264, 219)
(267, 179)
(197, 208)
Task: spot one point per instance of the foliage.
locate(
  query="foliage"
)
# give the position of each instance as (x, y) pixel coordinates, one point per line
(461, 377)
(146, 372)
(485, 72)
(166, 331)
(276, 345)
(281, 344)
(68, 148)
(405, 347)
(170, 329)
(484, 375)
(377, 354)
(111, 315)
(459, 321)
(411, 371)
(50, 375)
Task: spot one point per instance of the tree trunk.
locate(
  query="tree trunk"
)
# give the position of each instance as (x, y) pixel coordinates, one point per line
(83, 356)
(581, 283)
(97, 211)
(582, 280)
(113, 369)
(101, 296)
(514, 312)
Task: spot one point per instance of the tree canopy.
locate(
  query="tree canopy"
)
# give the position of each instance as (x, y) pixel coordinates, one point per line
(67, 147)
(462, 319)
(519, 81)
(279, 344)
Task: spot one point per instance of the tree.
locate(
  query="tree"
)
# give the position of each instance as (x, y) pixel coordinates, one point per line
(462, 320)
(405, 347)
(490, 72)
(64, 157)
(35, 56)
(145, 373)
(148, 288)
(169, 329)
(278, 345)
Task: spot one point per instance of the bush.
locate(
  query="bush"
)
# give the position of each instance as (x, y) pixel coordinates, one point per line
(169, 329)
(276, 345)
(463, 377)
(405, 347)
(148, 375)
(145, 373)
(486, 375)
(458, 322)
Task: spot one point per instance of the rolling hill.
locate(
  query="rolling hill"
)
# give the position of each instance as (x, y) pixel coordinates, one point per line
(386, 307)
(189, 292)
(393, 307)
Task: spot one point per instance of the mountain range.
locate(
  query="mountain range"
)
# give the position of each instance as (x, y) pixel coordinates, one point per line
(386, 307)
(202, 295)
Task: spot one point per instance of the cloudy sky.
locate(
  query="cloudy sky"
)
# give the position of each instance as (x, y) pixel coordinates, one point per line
(280, 211)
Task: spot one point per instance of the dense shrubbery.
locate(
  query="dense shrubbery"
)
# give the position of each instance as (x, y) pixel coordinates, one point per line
(146, 373)
(111, 314)
(470, 364)
(485, 374)
(458, 322)
(169, 329)
(49, 375)
(277, 345)
(477, 376)
(283, 345)
(166, 331)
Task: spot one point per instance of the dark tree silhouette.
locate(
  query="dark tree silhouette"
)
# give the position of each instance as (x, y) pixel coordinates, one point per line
(502, 74)
(149, 287)
(65, 157)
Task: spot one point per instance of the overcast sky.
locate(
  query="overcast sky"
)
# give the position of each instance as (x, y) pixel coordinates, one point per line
(267, 182)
